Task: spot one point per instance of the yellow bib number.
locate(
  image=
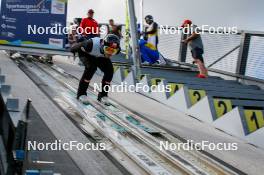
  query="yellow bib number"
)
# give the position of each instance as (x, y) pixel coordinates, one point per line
(126, 72)
(196, 95)
(156, 81)
(142, 76)
(254, 119)
(115, 68)
(174, 87)
(222, 106)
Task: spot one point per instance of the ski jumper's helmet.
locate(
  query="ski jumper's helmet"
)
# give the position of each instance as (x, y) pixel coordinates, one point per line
(149, 18)
(111, 44)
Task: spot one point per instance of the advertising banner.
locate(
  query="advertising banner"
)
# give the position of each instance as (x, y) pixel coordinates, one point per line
(33, 23)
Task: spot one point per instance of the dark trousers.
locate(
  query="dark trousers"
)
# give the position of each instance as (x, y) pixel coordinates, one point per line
(91, 64)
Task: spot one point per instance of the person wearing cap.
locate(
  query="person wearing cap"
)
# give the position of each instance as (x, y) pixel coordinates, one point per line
(89, 26)
(96, 53)
(195, 43)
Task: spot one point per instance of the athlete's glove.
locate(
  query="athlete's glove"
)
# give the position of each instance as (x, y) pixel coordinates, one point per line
(79, 47)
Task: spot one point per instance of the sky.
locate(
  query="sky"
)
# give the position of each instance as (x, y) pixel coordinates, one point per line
(244, 14)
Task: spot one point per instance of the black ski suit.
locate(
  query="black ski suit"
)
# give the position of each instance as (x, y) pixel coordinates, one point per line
(91, 62)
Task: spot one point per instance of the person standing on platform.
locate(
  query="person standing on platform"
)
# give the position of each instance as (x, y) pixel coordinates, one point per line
(194, 40)
(149, 45)
(151, 32)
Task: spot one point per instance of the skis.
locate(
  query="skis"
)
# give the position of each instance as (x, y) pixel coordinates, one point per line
(115, 110)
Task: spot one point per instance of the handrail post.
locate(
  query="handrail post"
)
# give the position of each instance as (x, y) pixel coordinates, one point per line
(243, 54)
(134, 37)
(183, 49)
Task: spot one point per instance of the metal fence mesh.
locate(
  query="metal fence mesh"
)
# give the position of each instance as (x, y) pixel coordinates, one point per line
(169, 45)
(255, 63)
(216, 46)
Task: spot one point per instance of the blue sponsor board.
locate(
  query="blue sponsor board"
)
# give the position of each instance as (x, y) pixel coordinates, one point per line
(33, 23)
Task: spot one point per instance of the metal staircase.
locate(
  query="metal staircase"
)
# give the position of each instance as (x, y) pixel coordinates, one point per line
(228, 105)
